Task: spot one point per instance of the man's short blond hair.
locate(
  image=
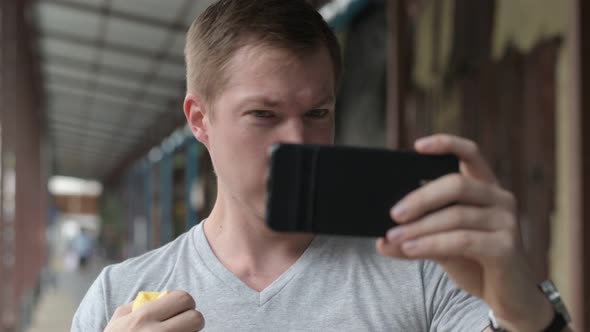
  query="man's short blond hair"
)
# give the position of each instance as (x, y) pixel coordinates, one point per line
(226, 26)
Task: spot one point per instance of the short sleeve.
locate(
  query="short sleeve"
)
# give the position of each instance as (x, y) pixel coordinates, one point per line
(91, 315)
(448, 307)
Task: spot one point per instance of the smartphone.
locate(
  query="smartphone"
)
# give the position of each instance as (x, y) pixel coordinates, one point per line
(338, 190)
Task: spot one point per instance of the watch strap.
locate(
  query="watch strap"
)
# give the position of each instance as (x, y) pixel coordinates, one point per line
(494, 323)
(557, 324)
(561, 316)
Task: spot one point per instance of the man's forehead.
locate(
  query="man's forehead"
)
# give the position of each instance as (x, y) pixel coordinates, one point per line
(263, 58)
(270, 75)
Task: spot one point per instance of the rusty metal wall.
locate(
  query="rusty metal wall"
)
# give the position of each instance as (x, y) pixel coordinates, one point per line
(506, 105)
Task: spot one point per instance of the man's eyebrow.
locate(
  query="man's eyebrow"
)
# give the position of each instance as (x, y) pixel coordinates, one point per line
(271, 103)
(328, 99)
(267, 102)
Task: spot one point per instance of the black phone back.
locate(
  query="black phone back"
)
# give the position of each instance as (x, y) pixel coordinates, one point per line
(344, 190)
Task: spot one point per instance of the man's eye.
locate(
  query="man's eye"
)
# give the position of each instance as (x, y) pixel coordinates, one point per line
(262, 114)
(317, 114)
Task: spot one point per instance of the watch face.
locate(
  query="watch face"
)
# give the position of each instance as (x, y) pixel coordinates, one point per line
(554, 297)
(547, 286)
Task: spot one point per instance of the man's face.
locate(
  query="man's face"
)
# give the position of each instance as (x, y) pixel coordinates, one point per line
(270, 96)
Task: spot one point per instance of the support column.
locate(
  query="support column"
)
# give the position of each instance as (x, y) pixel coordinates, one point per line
(8, 78)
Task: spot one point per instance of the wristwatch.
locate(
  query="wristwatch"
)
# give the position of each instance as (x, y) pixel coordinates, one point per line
(561, 317)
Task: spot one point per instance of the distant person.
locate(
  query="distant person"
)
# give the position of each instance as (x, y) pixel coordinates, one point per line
(266, 71)
(83, 246)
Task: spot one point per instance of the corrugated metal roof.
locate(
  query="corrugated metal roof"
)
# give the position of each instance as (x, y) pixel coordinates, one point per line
(113, 74)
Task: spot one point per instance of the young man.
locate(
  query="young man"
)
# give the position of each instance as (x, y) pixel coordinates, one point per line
(266, 71)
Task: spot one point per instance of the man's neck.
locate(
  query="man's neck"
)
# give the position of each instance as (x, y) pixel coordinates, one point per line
(245, 246)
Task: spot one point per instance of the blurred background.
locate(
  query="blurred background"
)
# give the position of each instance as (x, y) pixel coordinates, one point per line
(97, 165)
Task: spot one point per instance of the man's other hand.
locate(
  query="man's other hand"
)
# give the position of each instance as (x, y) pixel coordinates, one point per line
(174, 312)
(467, 223)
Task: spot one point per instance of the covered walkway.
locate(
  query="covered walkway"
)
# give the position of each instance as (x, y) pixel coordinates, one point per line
(91, 96)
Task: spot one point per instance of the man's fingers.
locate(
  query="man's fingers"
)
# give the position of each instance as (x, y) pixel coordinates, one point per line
(470, 244)
(189, 321)
(167, 306)
(389, 249)
(451, 218)
(471, 160)
(442, 192)
(122, 310)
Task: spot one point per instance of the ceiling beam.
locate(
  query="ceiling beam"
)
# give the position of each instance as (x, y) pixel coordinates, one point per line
(81, 166)
(136, 127)
(94, 143)
(126, 102)
(61, 116)
(112, 46)
(69, 81)
(70, 149)
(73, 102)
(90, 146)
(119, 131)
(77, 170)
(81, 113)
(64, 141)
(157, 88)
(76, 156)
(56, 128)
(65, 171)
(82, 7)
(80, 92)
(114, 71)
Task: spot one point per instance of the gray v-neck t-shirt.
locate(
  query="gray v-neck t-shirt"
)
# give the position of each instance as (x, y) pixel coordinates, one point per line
(338, 284)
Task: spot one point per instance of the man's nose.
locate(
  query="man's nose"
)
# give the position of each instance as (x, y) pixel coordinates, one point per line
(293, 132)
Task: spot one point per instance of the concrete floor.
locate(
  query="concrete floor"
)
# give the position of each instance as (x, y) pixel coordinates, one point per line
(59, 300)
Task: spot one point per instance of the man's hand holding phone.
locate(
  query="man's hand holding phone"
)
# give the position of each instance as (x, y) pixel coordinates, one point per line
(174, 312)
(468, 224)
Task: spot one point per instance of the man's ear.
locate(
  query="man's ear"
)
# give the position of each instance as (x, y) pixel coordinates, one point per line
(195, 111)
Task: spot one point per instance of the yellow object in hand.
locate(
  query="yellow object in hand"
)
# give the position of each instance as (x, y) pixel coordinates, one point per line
(145, 297)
